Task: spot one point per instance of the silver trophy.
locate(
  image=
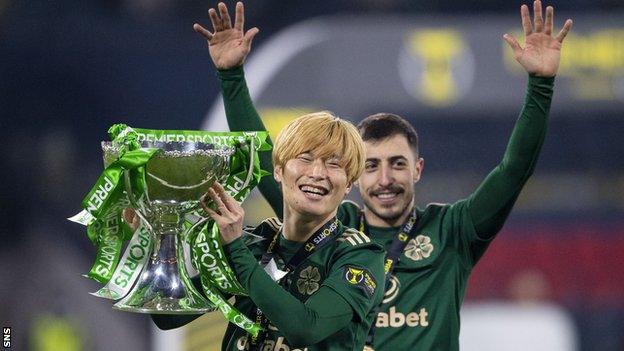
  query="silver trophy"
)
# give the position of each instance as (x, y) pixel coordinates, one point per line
(176, 177)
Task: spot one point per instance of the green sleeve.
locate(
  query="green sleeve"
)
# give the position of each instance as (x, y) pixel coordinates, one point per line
(491, 203)
(359, 275)
(241, 115)
(301, 323)
(349, 214)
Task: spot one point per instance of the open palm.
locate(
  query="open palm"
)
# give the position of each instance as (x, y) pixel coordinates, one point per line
(542, 52)
(228, 46)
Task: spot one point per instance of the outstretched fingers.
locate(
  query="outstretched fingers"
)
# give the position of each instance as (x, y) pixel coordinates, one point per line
(248, 38)
(239, 18)
(202, 31)
(514, 44)
(226, 22)
(215, 20)
(538, 20)
(564, 31)
(526, 20)
(548, 25)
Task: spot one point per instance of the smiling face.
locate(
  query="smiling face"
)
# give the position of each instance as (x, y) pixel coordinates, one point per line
(387, 184)
(316, 158)
(313, 187)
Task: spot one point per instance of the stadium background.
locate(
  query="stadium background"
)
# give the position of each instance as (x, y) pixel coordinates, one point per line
(70, 69)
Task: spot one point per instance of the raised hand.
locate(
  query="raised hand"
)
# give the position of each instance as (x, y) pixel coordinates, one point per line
(542, 52)
(228, 46)
(229, 214)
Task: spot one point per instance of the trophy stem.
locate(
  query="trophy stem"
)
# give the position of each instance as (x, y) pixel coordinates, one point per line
(164, 286)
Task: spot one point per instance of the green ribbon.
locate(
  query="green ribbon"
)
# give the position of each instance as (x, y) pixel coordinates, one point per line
(209, 259)
(217, 138)
(103, 206)
(129, 267)
(230, 313)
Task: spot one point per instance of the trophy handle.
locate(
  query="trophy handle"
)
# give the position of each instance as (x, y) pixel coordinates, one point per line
(251, 162)
(247, 180)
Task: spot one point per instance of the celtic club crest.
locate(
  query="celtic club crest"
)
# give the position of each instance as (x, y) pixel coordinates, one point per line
(419, 248)
(308, 282)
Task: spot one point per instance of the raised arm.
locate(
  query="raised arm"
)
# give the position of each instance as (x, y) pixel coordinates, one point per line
(491, 203)
(228, 47)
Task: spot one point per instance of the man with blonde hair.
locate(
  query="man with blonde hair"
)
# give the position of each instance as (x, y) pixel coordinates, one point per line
(333, 274)
(431, 251)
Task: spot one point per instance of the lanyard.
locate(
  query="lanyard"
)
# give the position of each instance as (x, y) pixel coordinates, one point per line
(320, 238)
(398, 242)
(407, 232)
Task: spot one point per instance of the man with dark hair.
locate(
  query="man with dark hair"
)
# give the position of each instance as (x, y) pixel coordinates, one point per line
(430, 251)
(392, 167)
(382, 125)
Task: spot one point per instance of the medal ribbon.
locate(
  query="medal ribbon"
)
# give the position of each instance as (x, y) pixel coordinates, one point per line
(319, 239)
(400, 240)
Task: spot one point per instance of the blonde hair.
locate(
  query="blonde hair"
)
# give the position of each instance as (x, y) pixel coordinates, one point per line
(327, 136)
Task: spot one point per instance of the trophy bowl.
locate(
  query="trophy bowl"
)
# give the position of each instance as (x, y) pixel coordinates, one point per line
(175, 179)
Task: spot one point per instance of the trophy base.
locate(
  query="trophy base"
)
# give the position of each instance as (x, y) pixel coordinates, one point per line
(164, 286)
(175, 179)
(165, 306)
